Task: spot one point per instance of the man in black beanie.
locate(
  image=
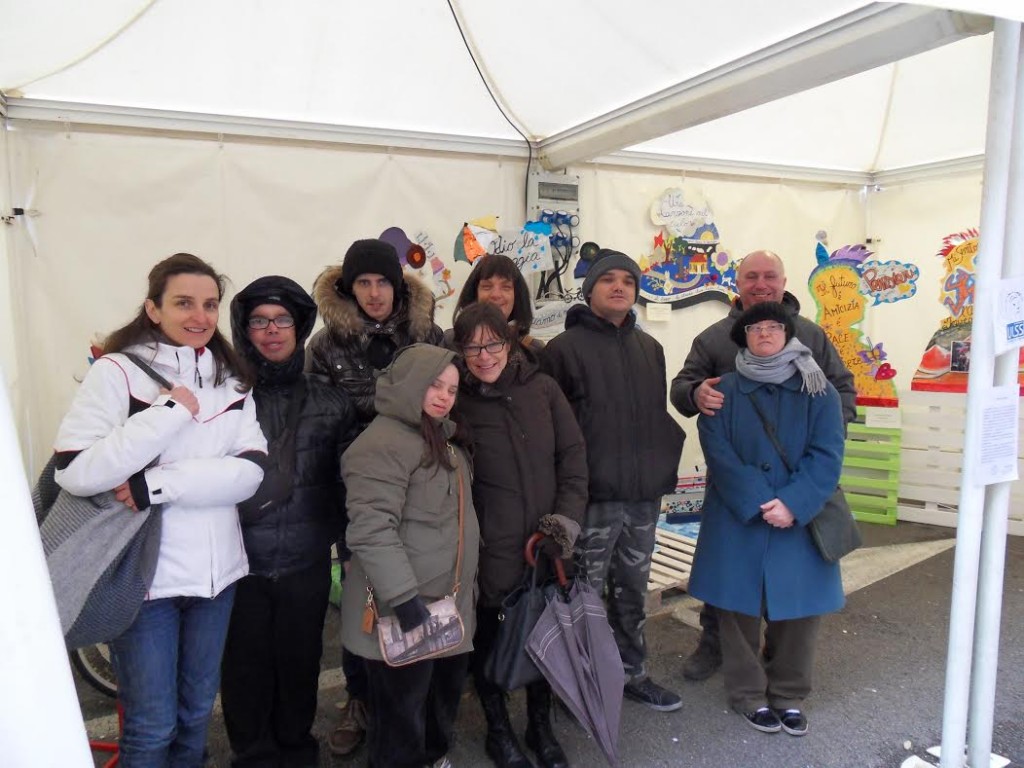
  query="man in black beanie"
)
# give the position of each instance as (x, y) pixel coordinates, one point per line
(371, 309)
(613, 375)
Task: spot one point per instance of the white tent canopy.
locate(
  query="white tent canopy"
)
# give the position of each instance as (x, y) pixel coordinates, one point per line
(814, 86)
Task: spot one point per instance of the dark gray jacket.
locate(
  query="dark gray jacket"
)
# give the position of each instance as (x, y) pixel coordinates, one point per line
(713, 353)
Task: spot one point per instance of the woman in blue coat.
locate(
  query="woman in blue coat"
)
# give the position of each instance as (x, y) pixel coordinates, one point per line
(755, 557)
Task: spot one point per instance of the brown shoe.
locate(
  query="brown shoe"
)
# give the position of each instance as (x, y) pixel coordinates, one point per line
(351, 729)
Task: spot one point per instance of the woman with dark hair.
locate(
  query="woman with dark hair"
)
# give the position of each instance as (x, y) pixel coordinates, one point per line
(530, 474)
(405, 476)
(195, 449)
(755, 557)
(496, 280)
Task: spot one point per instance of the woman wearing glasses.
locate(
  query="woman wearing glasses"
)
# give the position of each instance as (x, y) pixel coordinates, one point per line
(530, 474)
(271, 668)
(755, 558)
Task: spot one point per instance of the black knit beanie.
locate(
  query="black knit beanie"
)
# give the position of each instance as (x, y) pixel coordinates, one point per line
(370, 256)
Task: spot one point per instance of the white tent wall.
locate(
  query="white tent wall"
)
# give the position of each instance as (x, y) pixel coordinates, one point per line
(111, 205)
(8, 346)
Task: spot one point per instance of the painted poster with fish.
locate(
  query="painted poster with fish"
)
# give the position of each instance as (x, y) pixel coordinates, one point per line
(837, 287)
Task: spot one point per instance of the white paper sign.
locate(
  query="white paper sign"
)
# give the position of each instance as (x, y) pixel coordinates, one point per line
(531, 251)
(1009, 315)
(882, 418)
(997, 461)
(659, 313)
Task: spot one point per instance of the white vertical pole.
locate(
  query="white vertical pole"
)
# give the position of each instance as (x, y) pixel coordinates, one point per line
(997, 502)
(980, 378)
(40, 720)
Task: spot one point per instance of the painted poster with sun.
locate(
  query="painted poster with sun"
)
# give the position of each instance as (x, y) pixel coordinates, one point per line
(836, 285)
(419, 256)
(685, 265)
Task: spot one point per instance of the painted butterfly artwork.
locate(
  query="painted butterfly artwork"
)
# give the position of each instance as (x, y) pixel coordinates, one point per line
(874, 357)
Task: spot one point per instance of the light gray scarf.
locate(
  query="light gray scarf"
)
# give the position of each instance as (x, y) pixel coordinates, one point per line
(777, 368)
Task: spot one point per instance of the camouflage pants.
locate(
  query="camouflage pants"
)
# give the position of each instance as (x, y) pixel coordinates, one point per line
(614, 550)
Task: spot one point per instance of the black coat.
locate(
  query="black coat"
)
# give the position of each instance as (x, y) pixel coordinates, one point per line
(614, 378)
(528, 461)
(291, 534)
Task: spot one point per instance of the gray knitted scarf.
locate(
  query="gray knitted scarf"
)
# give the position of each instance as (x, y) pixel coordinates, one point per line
(777, 368)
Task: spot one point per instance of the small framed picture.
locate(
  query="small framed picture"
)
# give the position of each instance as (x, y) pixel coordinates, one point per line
(960, 356)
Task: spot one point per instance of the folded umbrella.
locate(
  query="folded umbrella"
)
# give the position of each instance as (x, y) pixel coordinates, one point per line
(575, 650)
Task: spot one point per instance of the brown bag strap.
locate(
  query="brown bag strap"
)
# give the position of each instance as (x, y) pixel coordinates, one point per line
(458, 559)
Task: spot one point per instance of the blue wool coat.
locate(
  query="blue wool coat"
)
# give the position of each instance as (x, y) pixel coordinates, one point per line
(739, 556)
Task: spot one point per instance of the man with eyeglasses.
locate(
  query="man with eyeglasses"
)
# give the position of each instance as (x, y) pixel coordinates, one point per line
(370, 309)
(613, 375)
(271, 666)
(760, 277)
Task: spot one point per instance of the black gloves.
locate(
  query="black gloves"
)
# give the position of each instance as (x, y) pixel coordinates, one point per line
(411, 613)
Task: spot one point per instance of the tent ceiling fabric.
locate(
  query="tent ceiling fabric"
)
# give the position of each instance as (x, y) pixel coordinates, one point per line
(400, 66)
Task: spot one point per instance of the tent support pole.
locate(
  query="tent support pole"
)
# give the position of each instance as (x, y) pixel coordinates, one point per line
(988, 267)
(997, 502)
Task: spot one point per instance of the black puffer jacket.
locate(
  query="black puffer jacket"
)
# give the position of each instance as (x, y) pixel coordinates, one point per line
(352, 349)
(528, 460)
(614, 379)
(292, 534)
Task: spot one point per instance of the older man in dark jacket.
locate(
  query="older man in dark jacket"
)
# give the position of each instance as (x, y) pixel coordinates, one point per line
(271, 662)
(613, 375)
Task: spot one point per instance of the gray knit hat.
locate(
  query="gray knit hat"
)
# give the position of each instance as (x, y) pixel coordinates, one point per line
(605, 260)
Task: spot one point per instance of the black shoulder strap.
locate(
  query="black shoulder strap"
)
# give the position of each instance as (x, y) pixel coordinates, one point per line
(148, 370)
(769, 428)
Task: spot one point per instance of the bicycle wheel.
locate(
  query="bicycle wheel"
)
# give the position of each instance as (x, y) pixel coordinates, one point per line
(93, 664)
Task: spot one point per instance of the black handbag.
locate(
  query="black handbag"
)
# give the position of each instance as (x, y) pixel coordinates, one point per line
(834, 529)
(508, 665)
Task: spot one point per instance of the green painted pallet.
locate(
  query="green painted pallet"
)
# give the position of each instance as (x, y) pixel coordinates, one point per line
(871, 471)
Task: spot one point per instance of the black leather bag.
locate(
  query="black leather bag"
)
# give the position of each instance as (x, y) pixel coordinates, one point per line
(834, 529)
(509, 666)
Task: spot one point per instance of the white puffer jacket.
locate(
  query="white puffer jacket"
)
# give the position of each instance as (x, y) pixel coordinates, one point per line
(203, 465)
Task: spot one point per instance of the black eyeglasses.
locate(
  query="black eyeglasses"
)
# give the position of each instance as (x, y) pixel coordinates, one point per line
(258, 323)
(474, 350)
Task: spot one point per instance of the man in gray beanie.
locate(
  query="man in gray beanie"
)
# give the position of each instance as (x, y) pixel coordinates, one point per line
(613, 375)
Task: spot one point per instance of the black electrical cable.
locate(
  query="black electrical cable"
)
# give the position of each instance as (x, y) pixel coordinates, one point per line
(529, 144)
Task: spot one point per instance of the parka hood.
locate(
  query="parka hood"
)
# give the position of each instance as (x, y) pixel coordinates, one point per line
(400, 388)
(273, 289)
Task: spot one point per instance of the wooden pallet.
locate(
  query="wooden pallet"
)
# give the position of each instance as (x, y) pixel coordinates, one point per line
(670, 565)
(871, 471)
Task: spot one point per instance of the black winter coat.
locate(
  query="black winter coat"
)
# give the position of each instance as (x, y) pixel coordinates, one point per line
(528, 461)
(615, 381)
(294, 533)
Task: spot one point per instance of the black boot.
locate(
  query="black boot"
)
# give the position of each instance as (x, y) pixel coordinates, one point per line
(501, 744)
(539, 737)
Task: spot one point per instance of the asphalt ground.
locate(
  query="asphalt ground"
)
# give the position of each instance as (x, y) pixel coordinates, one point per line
(878, 694)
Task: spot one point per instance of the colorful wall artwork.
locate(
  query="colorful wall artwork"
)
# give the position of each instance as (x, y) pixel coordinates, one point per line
(837, 287)
(685, 265)
(419, 257)
(529, 247)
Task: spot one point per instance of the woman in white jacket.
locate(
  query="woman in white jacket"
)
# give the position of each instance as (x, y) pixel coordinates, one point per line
(195, 449)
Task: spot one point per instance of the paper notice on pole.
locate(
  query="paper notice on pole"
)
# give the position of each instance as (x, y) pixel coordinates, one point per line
(1009, 315)
(997, 462)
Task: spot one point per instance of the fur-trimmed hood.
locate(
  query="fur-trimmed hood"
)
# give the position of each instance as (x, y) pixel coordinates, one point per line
(343, 318)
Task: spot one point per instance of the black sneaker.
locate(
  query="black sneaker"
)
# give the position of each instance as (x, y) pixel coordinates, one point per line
(648, 692)
(793, 721)
(764, 720)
